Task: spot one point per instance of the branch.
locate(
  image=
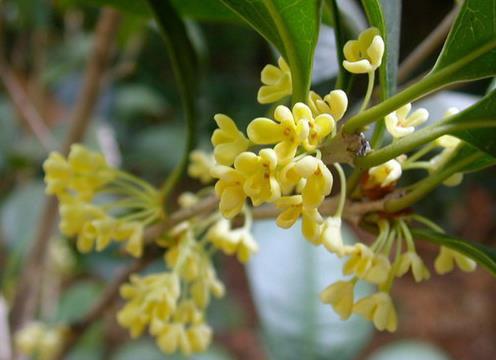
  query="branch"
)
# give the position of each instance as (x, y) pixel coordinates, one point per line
(29, 114)
(427, 46)
(26, 299)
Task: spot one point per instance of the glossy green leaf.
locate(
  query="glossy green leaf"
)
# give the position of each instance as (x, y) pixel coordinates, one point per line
(292, 27)
(386, 16)
(483, 255)
(483, 113)
(185, 65)
(470, 51)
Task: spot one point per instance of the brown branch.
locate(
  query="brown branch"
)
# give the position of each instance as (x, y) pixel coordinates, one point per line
(26, 300)
(427, 46)
(29, 114)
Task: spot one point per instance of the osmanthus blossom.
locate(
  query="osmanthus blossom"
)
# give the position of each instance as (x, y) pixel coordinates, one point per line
(364, 55)
(276, 82)
(400, 123)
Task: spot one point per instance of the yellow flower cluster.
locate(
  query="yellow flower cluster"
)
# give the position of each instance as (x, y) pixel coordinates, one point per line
(82, 184)
(372, 264)
(39, 340)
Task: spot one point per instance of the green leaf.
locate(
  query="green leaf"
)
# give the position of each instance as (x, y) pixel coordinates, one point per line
(470, 50)
(467, 151)
(185, 65)
(205, 10)
(286, 277)
(483, 113)
(483, 255)
(386, 16)
(292, 27)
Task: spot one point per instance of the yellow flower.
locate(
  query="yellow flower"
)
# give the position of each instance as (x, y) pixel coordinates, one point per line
(379, 309)
(90, 170)
(96, 232)
(399, 123)
(331, 237)
(228, 141)
(189, 270)
(37, 338)
(385, 174)
(27, 339)
(187, 199)
(57, 173)
(172, 337)
(335, 104)
(207, 284)
(150, 297)
(199, 336)
(259, 172)
(288, 177)
(288, 130)
(237, 241)
(75, 214)
(200, 165)
(410, 259)
(447, 258)
(360, 261)
(365, 54)
(340, 296)
(277, 83)
(378, 271)
(292, 208)
(319, 127)
(318, 181)
(229, 188)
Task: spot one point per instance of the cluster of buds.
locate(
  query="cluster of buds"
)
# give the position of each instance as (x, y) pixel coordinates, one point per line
(40, 340)
(99, 204)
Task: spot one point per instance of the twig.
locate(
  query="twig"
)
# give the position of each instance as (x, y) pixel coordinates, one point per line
(427, 46)
(26, 300)
(29, 114)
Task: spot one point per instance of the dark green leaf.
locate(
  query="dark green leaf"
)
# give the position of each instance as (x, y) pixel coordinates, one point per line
(185, 65)
(204, 10)
(482, 254)
(483, 112)
(470, 50)
(292, 27)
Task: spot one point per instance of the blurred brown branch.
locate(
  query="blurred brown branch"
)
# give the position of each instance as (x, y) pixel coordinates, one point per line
(26, 299)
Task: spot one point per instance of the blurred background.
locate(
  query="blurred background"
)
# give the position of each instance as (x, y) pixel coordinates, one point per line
(271, 310)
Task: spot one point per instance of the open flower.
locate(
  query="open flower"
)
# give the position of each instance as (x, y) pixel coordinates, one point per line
(335, 104)
(365, 54)
(292, 208)
(229, 188)
(447, 258)
(360, 260)
(230, 241)
(227, 140)
(200, 165)
(259, 172)
(319, 127)
(340, 296)
(379, 309)
(378, 271)
(410, 259)
(277, 82)
(57, 173)
(385, 174)
(288, 130)
(318, 180)
(399, 123)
